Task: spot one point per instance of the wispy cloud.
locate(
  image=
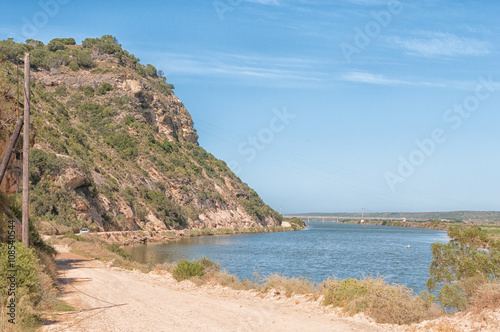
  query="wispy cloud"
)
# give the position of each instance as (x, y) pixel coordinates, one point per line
(241, 67)
(363, 77)
(369, 2)
(266, 2)
(377, 79)
(442, 44)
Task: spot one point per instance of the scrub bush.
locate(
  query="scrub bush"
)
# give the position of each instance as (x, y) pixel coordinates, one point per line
(186, 269)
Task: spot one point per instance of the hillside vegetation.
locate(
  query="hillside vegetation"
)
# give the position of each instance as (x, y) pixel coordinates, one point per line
(115, 149)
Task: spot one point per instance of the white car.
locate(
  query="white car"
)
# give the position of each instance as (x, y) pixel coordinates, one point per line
(84, 230)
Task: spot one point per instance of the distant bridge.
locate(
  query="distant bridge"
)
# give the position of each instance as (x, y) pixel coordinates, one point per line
(337, 218)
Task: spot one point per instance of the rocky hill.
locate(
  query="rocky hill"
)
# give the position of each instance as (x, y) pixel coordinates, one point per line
(115, 149)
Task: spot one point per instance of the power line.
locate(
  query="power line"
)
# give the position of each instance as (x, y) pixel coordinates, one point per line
(5, 58)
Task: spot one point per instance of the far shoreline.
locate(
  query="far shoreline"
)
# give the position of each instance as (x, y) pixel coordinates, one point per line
(145, 237)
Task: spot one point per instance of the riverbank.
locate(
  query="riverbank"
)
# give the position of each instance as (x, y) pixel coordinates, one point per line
(155, 301)
(127, 238)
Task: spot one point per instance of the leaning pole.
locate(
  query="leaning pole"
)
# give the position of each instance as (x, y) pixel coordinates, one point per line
(26, 151)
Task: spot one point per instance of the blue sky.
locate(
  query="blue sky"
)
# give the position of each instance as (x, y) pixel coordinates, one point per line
(320, 105)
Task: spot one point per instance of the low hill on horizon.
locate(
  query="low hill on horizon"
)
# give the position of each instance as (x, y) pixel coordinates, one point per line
(458, 215)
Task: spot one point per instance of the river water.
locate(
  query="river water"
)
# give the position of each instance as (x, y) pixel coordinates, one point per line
(319, 251)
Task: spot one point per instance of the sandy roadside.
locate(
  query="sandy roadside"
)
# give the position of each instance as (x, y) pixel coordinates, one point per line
(113, 299)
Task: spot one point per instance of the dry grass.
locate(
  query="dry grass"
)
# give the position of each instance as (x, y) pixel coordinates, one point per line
(290, 286)
(394, 304)
(96, 248)
(486, 297)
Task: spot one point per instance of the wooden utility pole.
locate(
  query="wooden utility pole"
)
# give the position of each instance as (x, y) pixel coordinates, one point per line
(26, 151)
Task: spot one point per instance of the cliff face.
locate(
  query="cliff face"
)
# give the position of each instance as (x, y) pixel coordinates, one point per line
(164, 111)
(116, 150)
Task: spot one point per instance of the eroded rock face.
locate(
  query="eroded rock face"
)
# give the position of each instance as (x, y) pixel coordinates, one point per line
(71, 178)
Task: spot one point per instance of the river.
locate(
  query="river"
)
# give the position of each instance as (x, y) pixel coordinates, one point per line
(319, 251)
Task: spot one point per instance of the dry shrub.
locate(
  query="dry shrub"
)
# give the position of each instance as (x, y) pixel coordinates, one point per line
(166, 266)
(487, 296)
(289, 285)
(393, 304)
(230, 280)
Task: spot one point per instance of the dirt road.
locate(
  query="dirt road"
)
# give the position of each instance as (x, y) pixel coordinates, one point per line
(111, 299)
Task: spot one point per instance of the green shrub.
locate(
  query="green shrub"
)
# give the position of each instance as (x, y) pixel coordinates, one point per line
(74, 66)
(61, 90)
(186, 269)
(105, 45)
(104, 88)
(140, 69)
(42, 58)
(453, 297)
(123, 143)
(164, 88)
(44, 163)
(87, 90)
(83, 58)
(34, 43)
(12, 50)
(57, 42)
(132, 58)
(55, 45)
(151, 71)
(128, 120)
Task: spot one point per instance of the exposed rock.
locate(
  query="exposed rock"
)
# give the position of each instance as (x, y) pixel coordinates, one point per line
(71, 178)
